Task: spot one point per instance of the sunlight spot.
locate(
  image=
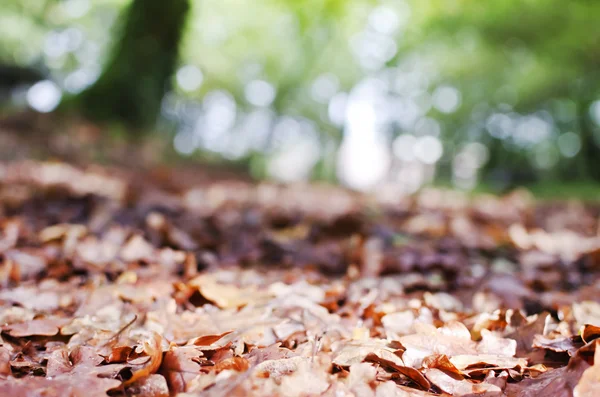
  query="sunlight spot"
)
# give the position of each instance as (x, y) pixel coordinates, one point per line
(423, 100)
(404, 147)
(428, 126)
(220, 110)
(337, 108)
(250, 71)
(324, 87)
(294, 162)
(44, 96)
(478, 151)
(76, 8)
(361, 119)
(531, 130)
(499, 125)
(428, 149)
(184, 143)
(214, 31)
(373, 50)
(260, 93)
(79, 80)
(88, 54)
(236, 146)
(405, 112)
(362, 165)
(364, 156)
(56, 44)
(189, 78)
(446, 99)
(256, 128)
(286, 131)
(384, 20)
(74, 38)
(464, 165)
(569, 144)
(220, 114)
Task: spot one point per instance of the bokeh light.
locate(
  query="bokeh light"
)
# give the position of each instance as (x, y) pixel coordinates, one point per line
(393, 93)
(44, 96)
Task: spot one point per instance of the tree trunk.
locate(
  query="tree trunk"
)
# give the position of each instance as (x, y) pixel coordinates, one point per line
(140, 67)
(590, 151)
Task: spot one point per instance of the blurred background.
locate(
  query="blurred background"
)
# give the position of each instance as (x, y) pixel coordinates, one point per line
(371, 94)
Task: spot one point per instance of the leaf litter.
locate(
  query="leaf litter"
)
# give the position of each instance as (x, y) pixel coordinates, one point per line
(118, 282)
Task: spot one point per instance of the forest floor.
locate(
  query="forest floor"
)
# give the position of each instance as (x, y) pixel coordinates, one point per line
(123, 282)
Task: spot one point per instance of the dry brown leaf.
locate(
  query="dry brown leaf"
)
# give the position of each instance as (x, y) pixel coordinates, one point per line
(4, 361)
(590, 332)
(58, 363)
(441, 362)
(277, 368)
(305, 381)
(589, 384)
(119, 354)
(355, 352)
(361, 379)
(227, 296)
(560, 344)
(409, 372)
(79, 385)
(137, 249)
(43, 327)
(179, 367)
(587, 312)
(151, 348)
(208, 340)
(493, 344)
(437, 315)
(399, 323)
(451, 340)
(525, 334)
(238, 364)
(467, 361)
(461, 387)
(558, 382)
(154, 385)
(391, 389)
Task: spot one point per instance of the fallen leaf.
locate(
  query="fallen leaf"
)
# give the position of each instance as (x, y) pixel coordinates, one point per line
(152, 349)
(154, 385)
(450, 340)
(590, 332)
(80, 385)
(42, 327)
(441, 362)
(461, 387)
(589, 384)
(208, 340)
(355, 352)
(179, 368)
(463, 362)
(239, 364)
(558, 382)
(409, 372)
(224, 295)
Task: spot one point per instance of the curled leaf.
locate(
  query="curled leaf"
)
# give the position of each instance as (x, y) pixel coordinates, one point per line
(152, 348)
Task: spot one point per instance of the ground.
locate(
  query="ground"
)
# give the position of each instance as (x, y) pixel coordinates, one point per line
(158, 283)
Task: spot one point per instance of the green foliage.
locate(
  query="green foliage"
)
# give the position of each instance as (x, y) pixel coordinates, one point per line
(521, 59)
(288, 43)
